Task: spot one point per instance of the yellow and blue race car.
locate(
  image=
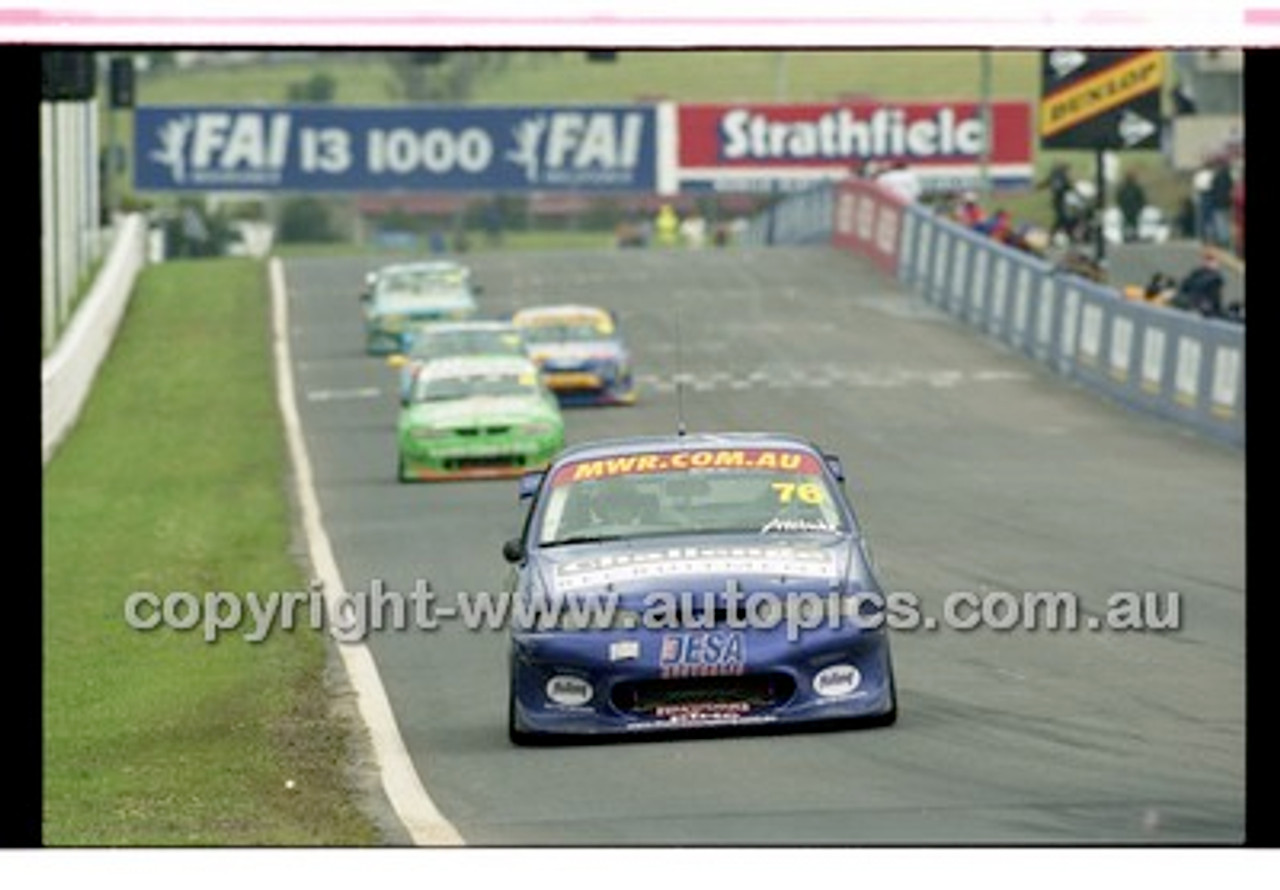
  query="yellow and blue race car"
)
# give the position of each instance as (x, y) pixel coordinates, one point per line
(581, 352)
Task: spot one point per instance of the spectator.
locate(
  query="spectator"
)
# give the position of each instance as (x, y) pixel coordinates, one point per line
(667, 226)
(970, 212)
(902, 181)
(998, 225)
(1131, 198)
(1184, 102)
(1200, 183)
(1221, 188)
(1186, 218)
(1059, 184)
(1237, 207)
(1201, 290)
(436, 242)
(492, 221)
(693, 231)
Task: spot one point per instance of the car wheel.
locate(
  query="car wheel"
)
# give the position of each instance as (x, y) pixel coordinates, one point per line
(889, 717)
(400, 473)
(515, 734)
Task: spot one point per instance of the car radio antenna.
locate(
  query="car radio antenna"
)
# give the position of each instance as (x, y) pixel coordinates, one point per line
(680, 424)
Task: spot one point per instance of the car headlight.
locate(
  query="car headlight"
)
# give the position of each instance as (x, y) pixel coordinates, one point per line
(535, 429)
(430, 432)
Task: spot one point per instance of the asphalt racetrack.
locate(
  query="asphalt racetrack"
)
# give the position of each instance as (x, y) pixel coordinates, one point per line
(972, 469)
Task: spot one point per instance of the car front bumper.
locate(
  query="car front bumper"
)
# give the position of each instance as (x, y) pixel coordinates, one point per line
(475, 458)
(777, 685)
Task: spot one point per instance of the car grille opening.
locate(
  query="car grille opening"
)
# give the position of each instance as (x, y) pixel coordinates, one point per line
(472, 463)
(746, 692)
(481, 430)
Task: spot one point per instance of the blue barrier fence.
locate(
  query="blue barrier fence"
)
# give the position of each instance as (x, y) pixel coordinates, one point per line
(1167, 362)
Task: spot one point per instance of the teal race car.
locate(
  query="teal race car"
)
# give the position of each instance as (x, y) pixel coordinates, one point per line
(480, 417)
(402, 295)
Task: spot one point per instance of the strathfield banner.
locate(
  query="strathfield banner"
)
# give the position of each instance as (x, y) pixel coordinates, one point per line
(772, 147)
(588, 148)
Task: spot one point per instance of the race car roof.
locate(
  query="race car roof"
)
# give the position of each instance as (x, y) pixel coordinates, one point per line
(553, 314)
(425, 266)
(477, 365)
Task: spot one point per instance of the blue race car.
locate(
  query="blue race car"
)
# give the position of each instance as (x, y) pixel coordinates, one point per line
(692, 582)
(581, 352)
(402, 295)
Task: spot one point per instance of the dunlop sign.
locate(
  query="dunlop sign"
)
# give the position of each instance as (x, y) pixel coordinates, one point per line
(1101, 99)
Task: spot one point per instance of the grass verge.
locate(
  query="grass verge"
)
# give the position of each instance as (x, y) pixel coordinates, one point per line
(174, 481)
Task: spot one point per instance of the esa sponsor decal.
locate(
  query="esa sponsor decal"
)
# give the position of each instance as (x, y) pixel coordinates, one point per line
(712, 654)
(836, 681)
(458, 148)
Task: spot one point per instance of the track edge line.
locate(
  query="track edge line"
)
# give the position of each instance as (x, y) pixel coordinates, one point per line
(408, 796)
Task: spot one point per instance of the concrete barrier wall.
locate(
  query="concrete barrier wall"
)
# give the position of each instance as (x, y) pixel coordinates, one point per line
(1167, 362)
(67, 375)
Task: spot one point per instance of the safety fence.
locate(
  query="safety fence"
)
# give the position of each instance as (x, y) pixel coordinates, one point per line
(1167, 362)
(67, 375)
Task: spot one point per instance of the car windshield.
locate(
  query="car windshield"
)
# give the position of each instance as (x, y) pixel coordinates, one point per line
(443, 344)
(567, 333)
(452, 388)
(753, 490)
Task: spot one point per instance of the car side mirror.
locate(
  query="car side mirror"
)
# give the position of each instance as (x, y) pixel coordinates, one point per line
(513, 550)
(835, 466)
(530, 483)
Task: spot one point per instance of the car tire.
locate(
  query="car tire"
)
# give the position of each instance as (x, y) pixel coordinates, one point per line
(889, 717)
(400, 473)
(515, 734)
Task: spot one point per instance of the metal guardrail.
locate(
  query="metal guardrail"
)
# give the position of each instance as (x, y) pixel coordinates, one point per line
(1166, 362)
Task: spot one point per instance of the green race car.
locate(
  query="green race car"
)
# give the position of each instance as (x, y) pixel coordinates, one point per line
(478, 417)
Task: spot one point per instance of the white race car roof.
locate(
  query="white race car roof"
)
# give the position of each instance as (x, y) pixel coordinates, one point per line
(477, 366)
